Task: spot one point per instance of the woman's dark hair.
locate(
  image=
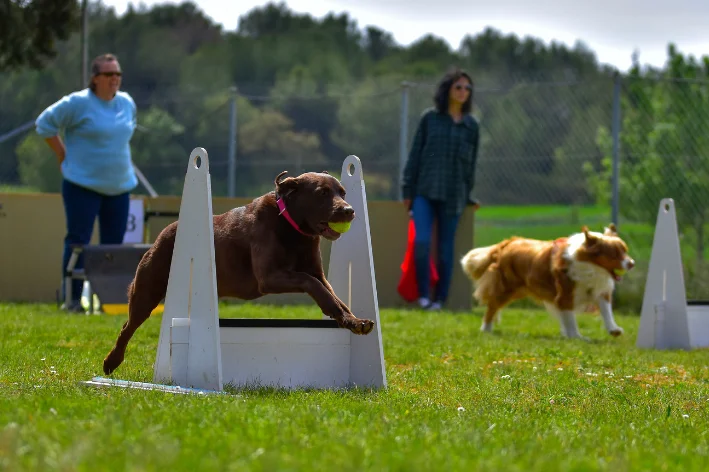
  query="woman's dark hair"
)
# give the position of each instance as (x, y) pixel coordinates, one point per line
(440, 99)
(96, 67)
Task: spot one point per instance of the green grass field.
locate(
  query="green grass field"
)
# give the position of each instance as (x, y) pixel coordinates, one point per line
(521, 399)
(4, 188)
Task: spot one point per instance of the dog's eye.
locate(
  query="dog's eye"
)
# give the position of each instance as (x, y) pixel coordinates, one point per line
(323, 191)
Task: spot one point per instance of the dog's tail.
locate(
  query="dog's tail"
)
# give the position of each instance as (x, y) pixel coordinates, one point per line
(477, 261)
(480, 265)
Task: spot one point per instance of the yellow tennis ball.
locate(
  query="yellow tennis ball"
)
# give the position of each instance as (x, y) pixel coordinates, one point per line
(619, 272)
(340, 227)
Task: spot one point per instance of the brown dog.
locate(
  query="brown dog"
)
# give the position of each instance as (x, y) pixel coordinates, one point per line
(566, 275)
(271, 245)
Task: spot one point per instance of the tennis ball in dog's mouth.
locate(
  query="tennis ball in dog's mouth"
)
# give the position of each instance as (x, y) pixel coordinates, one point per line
(619, 272)
(340, 227)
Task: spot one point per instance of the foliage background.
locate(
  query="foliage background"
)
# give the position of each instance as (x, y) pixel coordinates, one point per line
(311, 91)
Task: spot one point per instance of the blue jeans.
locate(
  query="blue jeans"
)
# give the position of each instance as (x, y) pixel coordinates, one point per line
(81, 207)
(425, 212)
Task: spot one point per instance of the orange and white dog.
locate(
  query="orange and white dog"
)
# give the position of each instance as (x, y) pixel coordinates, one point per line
(565, 275)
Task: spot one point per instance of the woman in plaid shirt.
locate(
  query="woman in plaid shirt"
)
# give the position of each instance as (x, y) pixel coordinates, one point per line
(438, 179)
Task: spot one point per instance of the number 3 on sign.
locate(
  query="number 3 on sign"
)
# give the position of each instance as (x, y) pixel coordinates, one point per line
(134, 228)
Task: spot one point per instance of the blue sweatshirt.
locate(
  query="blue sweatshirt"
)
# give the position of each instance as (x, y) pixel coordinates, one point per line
(97, 137)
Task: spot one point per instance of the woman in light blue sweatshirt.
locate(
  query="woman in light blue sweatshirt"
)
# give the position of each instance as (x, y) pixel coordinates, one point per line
(95, 159)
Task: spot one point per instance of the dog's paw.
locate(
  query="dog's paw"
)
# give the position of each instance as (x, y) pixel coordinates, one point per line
(111, 363)
(615, 332)
(358, 326)
(364, 326)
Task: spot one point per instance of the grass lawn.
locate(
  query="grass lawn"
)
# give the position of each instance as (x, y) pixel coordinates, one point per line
(521, 399)
(590, 213)
(6, 188)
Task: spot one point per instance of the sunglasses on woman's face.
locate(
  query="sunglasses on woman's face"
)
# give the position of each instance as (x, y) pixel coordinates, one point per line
(110, 74)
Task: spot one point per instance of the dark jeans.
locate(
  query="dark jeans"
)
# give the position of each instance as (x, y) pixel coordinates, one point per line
(425, 212)
(81, 207)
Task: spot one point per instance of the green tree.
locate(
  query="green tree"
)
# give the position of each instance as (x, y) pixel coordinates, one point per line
(38, 167)
(664, 146)
(157, 152)
(323, 78)
(304, 97)
(268, 145)
(30, 30)
(368, 126)
(379, 44)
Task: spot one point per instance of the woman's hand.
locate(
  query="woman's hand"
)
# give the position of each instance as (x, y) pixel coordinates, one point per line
(407, 205)
(55, 142)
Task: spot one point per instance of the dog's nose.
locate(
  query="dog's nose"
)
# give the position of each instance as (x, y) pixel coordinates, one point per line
(629, 264)
(348, 210)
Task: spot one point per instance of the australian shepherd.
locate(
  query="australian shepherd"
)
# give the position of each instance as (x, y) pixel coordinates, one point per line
(566, 275)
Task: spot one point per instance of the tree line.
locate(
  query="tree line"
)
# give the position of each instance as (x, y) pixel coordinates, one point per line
(311, 91)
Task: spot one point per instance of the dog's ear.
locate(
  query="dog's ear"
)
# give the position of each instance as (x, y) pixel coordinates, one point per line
(285, 186)
(325, 172)
(277, 180)
(590, 239)
(610, 230)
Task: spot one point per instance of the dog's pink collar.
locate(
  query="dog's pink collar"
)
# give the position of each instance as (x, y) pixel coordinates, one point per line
(283, 211)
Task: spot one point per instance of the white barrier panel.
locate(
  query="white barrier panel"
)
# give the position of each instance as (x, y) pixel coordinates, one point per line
(196, 349)
(667, 320)
(192, 285)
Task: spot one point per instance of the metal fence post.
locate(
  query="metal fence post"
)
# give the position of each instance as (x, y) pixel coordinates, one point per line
(403, 132)
(84, 44)
(615, 202)
(231, 188)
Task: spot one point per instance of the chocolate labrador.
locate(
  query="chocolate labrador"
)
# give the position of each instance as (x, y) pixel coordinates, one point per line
(271, 245)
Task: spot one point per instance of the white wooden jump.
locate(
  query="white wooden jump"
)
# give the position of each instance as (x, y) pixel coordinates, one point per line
(197, 349)
(668, 320)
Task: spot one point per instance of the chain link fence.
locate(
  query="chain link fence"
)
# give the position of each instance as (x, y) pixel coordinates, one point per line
(663, 152)
(554, 155)
(535, 138)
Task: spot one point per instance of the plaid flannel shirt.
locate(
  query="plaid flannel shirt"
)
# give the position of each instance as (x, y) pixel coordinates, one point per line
(441, 163)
